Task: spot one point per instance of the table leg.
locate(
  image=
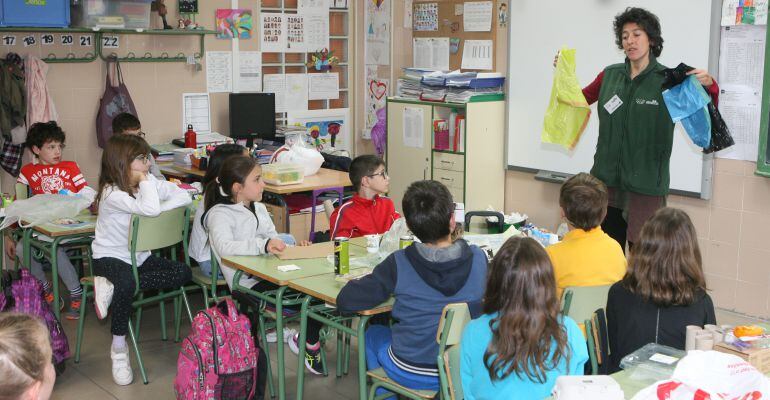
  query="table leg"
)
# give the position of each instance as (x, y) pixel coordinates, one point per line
(54, 276)
(300, 342)
(362, 321)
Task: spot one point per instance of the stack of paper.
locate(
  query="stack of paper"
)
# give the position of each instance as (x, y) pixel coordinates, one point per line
(463, 95)
(408, 87)
(433, 93)
(459, 79)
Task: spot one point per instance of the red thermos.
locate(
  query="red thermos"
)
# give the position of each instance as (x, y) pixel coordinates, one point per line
(190, 138)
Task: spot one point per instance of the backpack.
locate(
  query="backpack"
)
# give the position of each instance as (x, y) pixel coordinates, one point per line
(114, 101)
(24, 294)
(218, 360)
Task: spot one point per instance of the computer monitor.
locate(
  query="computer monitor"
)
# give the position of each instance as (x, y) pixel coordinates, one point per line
(252, 115)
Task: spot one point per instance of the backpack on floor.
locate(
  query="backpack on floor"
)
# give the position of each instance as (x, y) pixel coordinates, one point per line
(218, 360)
(24, 294)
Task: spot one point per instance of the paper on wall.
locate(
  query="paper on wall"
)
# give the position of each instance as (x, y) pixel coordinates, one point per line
(316, 31)
(425, 17)
(742, 12)
(431, 53)
(477, 54)
(295, 33)
(290, 91)
(272, 28)
(313, 5)
(196, 112)
(219, 71)
(408, 14)
(413, 122)
(477, 16)
(741, 110)
(376, 93)
(377, 25)
(249, 71)
(323, 86)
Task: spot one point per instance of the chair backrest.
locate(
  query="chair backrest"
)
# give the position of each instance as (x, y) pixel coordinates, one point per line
(454, 317)
(580, 302)
(452, 366)
(22, 191)
(150, 233)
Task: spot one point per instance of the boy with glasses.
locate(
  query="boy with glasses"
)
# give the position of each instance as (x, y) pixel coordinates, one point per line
(368, 212)
(48, 174)
(128, 124)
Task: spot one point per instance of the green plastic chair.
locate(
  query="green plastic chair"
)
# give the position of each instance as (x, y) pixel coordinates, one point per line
(454, 317)
(208, 284)
(580, 302)
(166, 230)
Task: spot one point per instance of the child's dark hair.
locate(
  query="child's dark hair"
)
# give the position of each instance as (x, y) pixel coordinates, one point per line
(646, 20)
(362, 166)
(234, 170)
(120, 152)
(218, 157)
(428, 208)
(41, 133)
(583, 198)
(521, 289)
(125, 122)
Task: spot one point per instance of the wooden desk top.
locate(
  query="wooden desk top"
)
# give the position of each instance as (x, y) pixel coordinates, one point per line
(169, 168)
(55, 230)
(326, 288)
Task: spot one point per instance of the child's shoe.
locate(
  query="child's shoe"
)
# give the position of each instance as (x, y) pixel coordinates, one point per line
(102, 296)
(287, 333)
(121, 366)
(49, 300)
(74, 312)
(313, 361)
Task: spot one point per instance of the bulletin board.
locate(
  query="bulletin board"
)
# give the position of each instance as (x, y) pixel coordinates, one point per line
(446, 19)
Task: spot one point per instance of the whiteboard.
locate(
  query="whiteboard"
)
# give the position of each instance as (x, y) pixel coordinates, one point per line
(539, 28)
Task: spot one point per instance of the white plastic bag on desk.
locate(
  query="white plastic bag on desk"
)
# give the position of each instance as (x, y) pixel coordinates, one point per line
(295, 152)
(44, 208)
(710, 375)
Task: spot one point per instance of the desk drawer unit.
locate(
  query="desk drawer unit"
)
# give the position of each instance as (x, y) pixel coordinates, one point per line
(452, 180)
(448, 161)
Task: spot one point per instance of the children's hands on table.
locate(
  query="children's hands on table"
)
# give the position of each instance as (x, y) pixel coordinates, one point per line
(304, 243)
(275, 246)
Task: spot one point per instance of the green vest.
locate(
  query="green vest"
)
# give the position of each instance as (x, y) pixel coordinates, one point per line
(634, 147)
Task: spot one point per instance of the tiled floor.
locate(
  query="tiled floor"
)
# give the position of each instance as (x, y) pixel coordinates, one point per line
(92, 377)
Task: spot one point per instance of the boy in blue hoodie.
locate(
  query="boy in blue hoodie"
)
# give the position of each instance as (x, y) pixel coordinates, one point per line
(423, 278)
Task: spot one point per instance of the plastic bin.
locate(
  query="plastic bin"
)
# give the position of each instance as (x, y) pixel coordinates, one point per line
(283, 174)
(35, 13)
(129, 14)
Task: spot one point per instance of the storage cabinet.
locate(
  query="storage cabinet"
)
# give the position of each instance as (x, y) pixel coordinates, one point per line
(473, 167)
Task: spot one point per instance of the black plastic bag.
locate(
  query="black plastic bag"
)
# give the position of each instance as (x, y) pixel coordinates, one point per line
(720, 133)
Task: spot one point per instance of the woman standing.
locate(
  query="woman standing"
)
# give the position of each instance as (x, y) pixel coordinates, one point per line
(635, 129)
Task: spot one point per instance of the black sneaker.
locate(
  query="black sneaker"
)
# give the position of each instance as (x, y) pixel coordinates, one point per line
(313, 362)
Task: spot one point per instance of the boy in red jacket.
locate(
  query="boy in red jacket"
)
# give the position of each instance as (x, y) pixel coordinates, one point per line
(368, 212)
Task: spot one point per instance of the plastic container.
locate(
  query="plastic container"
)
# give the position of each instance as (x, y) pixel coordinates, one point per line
(35, 13)
(652, 362)
(129, 14)
(283, 174)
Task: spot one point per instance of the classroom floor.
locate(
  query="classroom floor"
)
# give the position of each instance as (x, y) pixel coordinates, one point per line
(92, 377)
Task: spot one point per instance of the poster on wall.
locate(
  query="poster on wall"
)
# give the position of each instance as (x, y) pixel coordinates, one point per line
(425, 17)
(234, 23)
(316, 31)
(744, 12)
(377, 25)
(325, 128)
(272, 28)
(376, 93)
(295, 33)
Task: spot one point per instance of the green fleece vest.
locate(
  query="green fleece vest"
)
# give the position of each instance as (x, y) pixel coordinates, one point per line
(634, 147)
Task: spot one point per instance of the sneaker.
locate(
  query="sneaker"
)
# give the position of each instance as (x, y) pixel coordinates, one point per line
(313, 361)
(287, 333)
(102, 296)
(121, 366)
(74, 312)
(49, 300)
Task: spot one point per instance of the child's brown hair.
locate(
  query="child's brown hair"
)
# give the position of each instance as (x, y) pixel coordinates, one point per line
(120, 152)
(583, 198)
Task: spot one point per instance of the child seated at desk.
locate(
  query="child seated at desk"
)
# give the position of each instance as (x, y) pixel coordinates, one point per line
(239, 225)
(586, 256)
(368, 212)
(50, 175)
(521, 344)
(423, 278)
(663, 291)
(128, 124)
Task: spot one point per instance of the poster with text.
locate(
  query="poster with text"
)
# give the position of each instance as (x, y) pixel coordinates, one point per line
(377, 25)
(295, 33)
(272, 27)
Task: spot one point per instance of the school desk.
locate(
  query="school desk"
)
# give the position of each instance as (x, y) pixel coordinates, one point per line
(265, 267)
(326, 287)
(80, 234)
(326, 180)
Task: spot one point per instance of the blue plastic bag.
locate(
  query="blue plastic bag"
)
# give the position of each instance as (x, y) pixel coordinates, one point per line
(687, 103)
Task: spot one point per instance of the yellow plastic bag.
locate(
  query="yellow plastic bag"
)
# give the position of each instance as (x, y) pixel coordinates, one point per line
(568, 111)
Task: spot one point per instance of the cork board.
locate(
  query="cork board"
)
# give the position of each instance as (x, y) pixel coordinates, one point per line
(447, 20)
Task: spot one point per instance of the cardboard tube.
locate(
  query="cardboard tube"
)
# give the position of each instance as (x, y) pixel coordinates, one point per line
(704, 342)
(689, 341)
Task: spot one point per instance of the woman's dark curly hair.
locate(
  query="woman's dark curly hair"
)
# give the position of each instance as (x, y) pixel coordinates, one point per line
(646, 20)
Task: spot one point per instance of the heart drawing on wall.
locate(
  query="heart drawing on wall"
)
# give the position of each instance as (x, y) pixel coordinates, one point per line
(377, 89)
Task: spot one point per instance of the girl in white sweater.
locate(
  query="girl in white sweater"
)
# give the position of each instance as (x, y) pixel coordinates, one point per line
(239, 225)
(126, 188)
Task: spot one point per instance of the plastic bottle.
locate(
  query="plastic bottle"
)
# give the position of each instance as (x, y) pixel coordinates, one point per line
(190, 138)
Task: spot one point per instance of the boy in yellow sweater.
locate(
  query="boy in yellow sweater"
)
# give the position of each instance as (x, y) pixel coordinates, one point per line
(586, 256)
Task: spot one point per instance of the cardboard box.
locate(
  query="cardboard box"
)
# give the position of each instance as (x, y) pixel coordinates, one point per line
(759, 358)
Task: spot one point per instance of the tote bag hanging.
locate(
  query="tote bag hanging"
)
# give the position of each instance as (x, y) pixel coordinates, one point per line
(114, 101)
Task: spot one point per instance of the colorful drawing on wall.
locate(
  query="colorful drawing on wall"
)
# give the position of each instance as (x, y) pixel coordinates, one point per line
(234, 23)
(377, 22)
(323, 134)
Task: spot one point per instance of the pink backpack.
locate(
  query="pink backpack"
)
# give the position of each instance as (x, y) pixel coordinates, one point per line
(24, 294)
(218, 360)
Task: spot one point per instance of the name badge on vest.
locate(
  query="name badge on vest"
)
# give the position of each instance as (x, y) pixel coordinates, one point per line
(612, 104)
